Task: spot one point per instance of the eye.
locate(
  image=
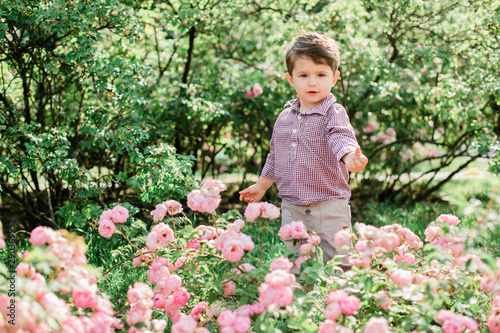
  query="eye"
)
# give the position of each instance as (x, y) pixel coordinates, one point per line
(303, 75)
(321, 75)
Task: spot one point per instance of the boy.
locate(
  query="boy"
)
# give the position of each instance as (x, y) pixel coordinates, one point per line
(313, 147)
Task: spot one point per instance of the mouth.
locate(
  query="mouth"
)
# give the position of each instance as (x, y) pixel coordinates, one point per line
(312, 92)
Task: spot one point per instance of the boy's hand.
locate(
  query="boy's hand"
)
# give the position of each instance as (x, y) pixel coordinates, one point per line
(355, 161)
(255, 192)
(252, 194)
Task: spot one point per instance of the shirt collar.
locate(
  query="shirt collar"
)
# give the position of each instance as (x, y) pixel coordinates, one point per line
(321, 108)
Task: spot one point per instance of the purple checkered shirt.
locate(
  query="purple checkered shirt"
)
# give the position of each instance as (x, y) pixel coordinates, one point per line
(306, 152)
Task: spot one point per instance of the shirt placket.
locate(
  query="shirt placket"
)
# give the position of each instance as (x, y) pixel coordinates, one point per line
(295, 136)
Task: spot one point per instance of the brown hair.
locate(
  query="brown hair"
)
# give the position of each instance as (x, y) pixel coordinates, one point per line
(317, 47)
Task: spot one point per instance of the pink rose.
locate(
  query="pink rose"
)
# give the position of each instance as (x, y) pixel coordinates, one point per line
(471, 324)
(376, 325)
(226, 318)
(328, 326)
(159, 212)
(408, 257)
(307, 248)
(199, 308)
(25, 269)
(402, 278)
(350, 304)
(284, 232)
(342, 237)
(493, 323)
(454, 324)
(119, 214)
(193, 244)
(173, 282)
(246, 242)
(337, 296)
(315, 240)
(382, 299)
(181, 296)
(280, 278)
(185, 324)
(214, 183)
(271, 212)
(257, 90)
(159, 325)
(229, 288)
(448, 218)
(300, 260)
(232, 250)
(252, 212)
(332, 311)
(173, 207)
(443, 315)
(40, 235)
(84, 298)
(389, 241)
(297, 230)
(431, 232)
(106, 228)
(242, 324)
(281, 263)
(487, 283)
(258, 308)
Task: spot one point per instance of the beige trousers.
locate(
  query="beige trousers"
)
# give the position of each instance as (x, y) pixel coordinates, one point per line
(325, 218)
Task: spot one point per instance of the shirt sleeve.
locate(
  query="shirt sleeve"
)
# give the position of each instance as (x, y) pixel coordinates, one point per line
(341, 136)
(268, 170)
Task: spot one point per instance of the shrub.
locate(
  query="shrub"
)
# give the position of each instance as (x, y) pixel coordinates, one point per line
(214, 277)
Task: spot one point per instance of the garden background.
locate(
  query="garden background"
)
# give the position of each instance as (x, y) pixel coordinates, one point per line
(135, 103)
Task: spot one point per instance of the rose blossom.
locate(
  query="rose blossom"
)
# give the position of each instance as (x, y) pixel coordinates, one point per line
(402, 278)
(84, 298)
(382, 299)
(159, 212)
(159, 325)
(376, 325)
(119, 214)
(281, 263)
(226, 318)
(106, 228)
(181, 296)
(350, 304)
(300, 260)
(173, 207)
(271, 212)
(342, 237)
(284, 232)
(448, 218)
(389, 241)
(252, 212)
(328, 326)
(233, 250)
(40, 235)
(229, 288)
(332, 311)
(297, 229)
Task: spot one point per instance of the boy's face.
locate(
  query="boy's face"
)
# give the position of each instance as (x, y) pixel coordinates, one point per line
(312, 82)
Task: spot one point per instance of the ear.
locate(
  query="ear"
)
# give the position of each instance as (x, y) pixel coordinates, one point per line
(335, 78)
(289, 78)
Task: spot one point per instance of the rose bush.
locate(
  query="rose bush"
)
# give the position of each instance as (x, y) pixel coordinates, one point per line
(226, 276)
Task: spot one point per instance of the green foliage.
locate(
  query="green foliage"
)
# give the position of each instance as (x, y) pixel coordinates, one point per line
(103, 81)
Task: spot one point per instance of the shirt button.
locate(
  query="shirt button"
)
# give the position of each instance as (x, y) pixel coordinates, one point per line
(293, 144)
(294, 131)
(299, 117)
